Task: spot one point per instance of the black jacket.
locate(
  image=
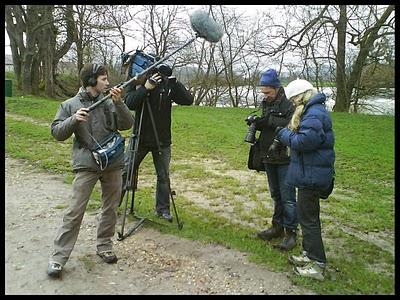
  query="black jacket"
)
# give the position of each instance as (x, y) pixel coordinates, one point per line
(274, 114)
(160, 99)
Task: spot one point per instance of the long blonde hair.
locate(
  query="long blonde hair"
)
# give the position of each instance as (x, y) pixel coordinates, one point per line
(299, 101)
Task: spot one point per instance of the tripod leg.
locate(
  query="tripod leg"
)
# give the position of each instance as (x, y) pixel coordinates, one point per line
(121, 234)
(132, 151)
(132, 201)
(180, 225)
(123, 191)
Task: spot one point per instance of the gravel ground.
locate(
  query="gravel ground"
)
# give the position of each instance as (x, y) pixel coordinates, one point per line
(149, 262)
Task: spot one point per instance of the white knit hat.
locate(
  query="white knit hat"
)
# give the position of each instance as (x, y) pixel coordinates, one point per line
(297, 87)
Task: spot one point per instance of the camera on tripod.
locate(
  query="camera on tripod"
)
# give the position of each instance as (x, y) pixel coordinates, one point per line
(251, 132)
(140, 61)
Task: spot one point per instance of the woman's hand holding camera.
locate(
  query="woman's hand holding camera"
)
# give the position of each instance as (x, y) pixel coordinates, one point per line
(152, 82)
(276, 145)
(277, 129)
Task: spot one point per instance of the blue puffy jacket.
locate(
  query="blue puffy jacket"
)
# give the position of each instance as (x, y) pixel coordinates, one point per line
(312, 156)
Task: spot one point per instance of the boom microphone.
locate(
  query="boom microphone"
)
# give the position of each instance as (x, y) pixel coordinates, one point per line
(206, 27)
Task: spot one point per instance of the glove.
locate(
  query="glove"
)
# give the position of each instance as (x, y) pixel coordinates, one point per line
(276, 144)
(172, 80)
(251, 119)
(277, 129)
(152, 82)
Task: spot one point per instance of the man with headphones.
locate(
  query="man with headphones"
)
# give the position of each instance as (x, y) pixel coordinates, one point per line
(73, 117)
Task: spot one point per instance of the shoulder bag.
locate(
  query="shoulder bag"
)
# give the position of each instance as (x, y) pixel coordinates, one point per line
(255, 158)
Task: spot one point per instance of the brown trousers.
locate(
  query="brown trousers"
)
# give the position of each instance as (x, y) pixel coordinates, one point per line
(82, 187)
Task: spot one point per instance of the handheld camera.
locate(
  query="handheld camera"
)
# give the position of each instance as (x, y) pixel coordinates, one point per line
(251, 132)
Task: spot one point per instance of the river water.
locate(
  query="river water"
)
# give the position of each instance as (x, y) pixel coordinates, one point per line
(382, 104)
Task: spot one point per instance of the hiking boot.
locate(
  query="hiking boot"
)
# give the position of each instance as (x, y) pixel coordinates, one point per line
(289, 241)
(274, 232)
(313, 269)
(108, 256)
(300, 260)
(54, 269)
(165, 214)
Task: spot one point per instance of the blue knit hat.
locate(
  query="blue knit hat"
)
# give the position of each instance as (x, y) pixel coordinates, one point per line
(270, 78)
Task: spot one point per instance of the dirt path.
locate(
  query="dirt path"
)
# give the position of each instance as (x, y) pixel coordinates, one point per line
(150, 262)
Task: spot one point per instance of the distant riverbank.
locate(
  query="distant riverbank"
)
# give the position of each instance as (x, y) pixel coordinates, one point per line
(382, 104)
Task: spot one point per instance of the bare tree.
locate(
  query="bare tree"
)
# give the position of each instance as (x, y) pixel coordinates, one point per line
(363, 24)
(240, 31)
(15, 27)
(24, 52)
(221, 74)
(50, 48)
(87, 21)
(159, 26)
(38, 24)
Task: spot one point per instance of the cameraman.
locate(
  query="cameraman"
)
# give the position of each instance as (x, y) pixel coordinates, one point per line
(277, 111)
(159, 89)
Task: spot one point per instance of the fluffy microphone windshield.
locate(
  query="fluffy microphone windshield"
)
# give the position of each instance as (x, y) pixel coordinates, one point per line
(206, 27)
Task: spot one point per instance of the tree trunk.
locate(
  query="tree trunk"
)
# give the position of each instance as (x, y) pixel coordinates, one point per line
(342, 99)
(15, 34)
(27, 72)
(32, 25)
(55, 55)
(35, 75)
(49, 75)
(366, 44)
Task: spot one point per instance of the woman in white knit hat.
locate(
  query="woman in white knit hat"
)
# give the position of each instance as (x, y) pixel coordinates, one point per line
(311, 140)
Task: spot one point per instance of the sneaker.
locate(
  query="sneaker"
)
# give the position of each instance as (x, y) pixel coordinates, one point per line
(312, 270)
(300, 260)
(165, 215)
(54, 269)
(108, 256)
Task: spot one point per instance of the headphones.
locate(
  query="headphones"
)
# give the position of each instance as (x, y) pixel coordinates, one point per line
(92, 81)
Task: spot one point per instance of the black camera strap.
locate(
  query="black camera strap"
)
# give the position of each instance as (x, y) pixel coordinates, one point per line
(160, 98)
(164, 89)
(257, 110)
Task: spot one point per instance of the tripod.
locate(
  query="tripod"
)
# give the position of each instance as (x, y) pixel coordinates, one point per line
(132, 175)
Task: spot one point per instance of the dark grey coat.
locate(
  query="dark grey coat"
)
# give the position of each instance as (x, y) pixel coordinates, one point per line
(104, 119)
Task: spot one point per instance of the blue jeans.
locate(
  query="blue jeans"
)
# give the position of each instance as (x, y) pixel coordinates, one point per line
(283, 195)
(161, 163)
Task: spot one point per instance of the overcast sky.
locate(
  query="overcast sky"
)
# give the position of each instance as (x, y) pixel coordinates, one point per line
(247, 9)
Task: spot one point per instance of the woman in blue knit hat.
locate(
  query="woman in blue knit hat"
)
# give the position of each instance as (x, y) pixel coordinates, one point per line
(277, 111)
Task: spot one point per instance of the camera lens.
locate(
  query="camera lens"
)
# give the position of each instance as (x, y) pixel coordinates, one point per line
(165, 70)
(251, 134)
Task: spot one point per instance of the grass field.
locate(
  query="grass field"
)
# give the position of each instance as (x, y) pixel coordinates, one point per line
(221, 201)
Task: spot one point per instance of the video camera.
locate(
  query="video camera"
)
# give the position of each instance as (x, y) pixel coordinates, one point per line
(140, 61)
